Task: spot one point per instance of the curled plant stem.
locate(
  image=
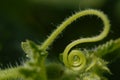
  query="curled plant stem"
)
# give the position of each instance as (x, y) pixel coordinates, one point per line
(36, 69)
(99, 37)
(76, 60)
(60, 28)
(102, 35)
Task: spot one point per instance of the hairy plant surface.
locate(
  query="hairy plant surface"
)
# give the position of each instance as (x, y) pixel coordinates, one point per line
(78, 64)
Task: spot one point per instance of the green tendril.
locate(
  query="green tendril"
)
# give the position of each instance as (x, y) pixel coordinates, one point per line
(102, 35)
(60, 28)
(69, 61)
(76, 60)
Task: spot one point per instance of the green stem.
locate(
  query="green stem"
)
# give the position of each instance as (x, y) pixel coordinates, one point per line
(102, 35)
(60, 28)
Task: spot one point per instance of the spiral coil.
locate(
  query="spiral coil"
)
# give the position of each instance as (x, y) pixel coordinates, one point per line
(68, 58)
(80, 62)
(76, 60)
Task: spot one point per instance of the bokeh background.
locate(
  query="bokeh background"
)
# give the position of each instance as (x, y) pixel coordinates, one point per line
(36, 19)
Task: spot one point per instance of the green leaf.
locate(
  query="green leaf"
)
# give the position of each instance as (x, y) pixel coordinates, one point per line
(34, 69)
(108, 47)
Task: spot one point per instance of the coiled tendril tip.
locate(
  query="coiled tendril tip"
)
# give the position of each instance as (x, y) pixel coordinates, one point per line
(68, 58)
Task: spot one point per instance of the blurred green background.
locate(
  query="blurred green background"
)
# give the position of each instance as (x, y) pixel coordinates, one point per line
(36, 19)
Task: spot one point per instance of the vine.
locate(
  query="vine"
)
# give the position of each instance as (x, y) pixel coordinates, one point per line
(60, 28)
(81, 64)
(67, 61)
